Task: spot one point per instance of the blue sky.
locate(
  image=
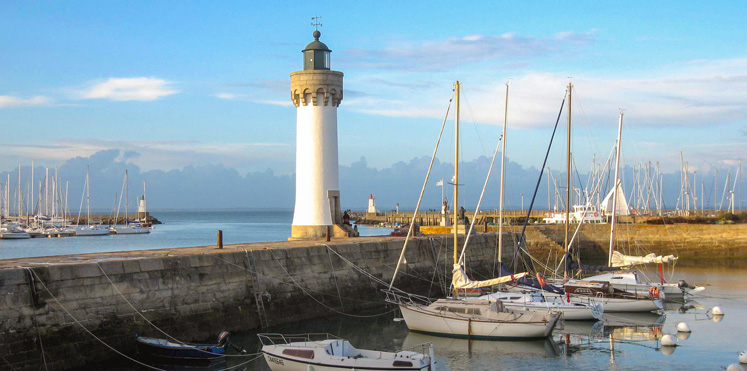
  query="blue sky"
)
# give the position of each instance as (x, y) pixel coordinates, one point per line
(174, 84)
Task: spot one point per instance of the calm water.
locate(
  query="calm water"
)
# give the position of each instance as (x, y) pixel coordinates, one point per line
(578, 346)
(180, 229)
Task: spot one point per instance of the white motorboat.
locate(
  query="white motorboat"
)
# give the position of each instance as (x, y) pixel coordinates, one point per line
(536, 301)
(303, 353)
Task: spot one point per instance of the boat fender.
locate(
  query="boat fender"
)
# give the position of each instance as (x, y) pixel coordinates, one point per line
(683, 327)
(541, 280)
(654, 292)
(717, 311)
(596, 215)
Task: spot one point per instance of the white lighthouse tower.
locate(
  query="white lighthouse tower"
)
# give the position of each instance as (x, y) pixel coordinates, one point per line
(317, 92)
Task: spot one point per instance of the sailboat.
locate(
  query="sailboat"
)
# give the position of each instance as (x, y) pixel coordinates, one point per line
(127, 228)
(614, 299)
(456, 317)
(88, 229)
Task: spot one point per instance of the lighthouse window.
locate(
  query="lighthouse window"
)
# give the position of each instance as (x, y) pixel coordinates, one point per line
(326, 60)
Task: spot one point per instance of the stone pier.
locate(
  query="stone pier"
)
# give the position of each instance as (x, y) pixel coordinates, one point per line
(72, 305)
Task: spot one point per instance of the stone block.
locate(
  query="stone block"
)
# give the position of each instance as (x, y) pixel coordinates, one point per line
(154, 264)
(112, 267)
(60, 272)
(12, 276)
(131, 266)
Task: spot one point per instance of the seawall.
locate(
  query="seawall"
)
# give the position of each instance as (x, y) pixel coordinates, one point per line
(71, 306)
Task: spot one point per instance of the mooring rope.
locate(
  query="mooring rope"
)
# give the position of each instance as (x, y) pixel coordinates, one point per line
(36, 323)
(89, 331)
(285, 283)
(317, 300)
(156, 327)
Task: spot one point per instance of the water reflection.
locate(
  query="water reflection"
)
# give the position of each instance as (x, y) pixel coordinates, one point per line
(446, 345)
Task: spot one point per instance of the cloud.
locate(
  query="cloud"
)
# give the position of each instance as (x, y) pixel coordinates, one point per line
(225, 95)
(419, 56)
(7, 101)
(683, 94)
(133, 88)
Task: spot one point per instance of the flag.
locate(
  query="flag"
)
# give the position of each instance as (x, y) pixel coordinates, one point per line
(440, 183)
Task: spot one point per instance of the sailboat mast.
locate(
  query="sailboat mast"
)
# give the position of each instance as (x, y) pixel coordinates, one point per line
(614, 192)
(456, 173)
(127, 198)
(88, 197)
(503, 174)
(568, 179)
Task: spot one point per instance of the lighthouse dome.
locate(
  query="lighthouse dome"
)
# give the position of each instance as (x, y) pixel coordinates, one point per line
(316, 54)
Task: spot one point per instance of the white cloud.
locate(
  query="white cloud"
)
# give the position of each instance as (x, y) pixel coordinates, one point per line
(454, 51)
(686, 94)
(11, 101)
(132, 88)
(225, 95)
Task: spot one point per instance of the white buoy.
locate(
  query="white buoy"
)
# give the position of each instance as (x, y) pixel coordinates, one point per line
(668, 341)
(683, 327)
(734, 367)
(743, 357)
(717, 311)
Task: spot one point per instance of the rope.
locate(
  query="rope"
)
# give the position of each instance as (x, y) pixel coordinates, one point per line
(91, 333)
(539, 179)
(156, 327)
(317, 300)
(420, 199)
(36, 323)
(281, 281)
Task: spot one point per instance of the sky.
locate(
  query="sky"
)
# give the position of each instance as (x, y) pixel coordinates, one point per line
(171, 86)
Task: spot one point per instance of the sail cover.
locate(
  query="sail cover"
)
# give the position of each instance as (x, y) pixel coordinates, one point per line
(622, 204)
(620, 260)
(461, 281)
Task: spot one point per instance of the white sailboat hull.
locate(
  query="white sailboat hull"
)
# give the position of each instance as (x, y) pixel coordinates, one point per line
(536, 302)
(14, 235)
(131, 230)
(91, 232)
(535, 326)
(620, 304)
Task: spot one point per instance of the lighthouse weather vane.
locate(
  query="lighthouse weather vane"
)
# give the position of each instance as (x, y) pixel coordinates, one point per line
(316, 23)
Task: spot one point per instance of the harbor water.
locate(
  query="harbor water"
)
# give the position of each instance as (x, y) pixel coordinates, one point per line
(620, 342)
(179, 229)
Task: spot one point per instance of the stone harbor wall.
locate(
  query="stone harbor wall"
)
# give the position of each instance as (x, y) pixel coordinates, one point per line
(76, 307)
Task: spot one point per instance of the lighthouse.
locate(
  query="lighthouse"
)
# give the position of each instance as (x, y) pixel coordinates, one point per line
(316, 91)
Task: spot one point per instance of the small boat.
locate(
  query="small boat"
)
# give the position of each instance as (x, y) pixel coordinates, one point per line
(163, 348)
(13, 234)
(92, 230)
(303, 352)
(130, 228)
(614, 300)
(537, 302)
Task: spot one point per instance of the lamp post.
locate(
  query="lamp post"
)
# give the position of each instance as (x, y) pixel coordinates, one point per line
(522, 202)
